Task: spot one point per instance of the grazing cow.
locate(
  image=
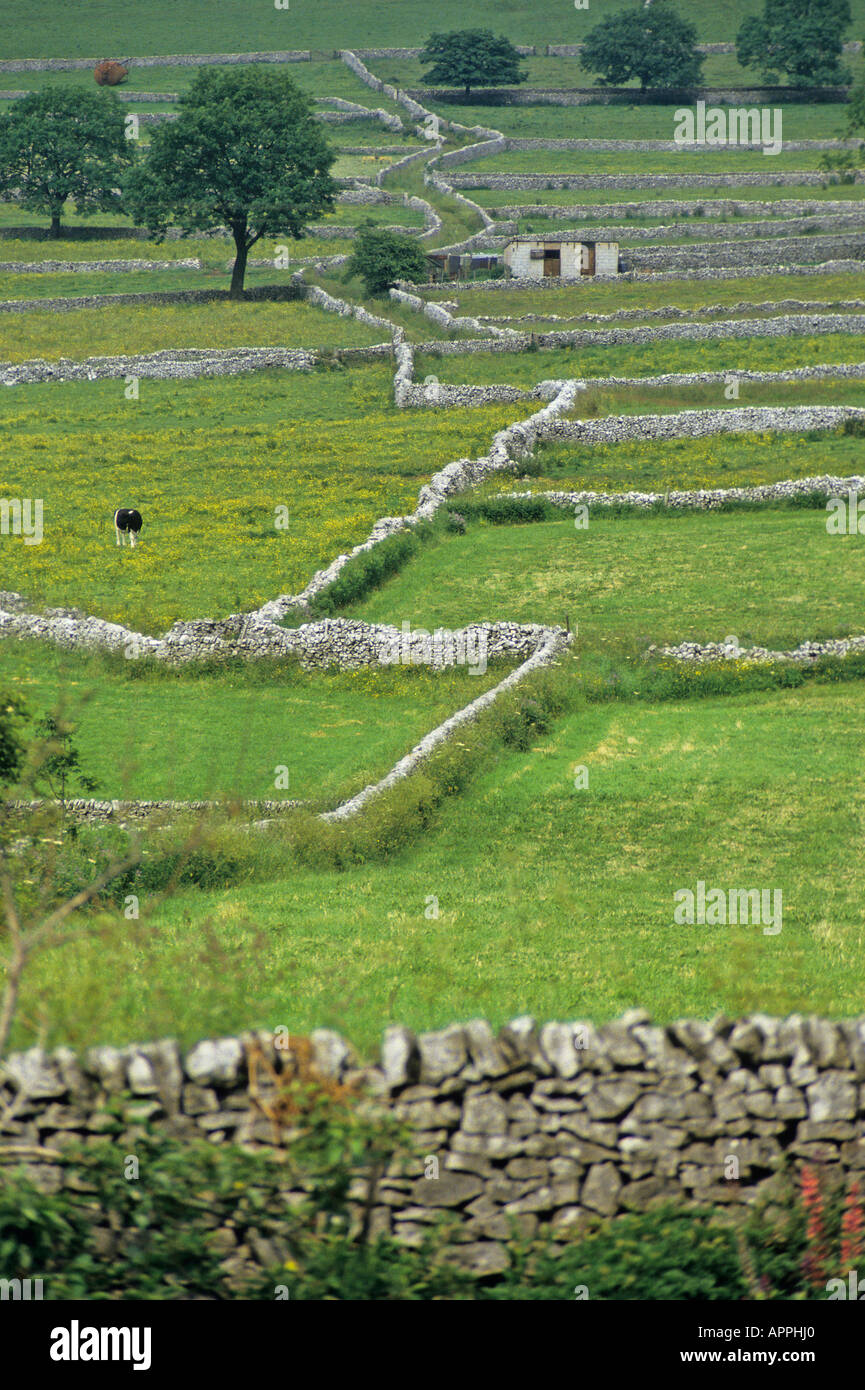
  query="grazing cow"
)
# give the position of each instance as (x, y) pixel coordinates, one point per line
(127, 519)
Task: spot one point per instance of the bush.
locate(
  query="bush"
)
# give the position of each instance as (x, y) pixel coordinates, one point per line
(157, 1230)
(507, 511)
(368, 570)
(521, 723)
(381, 257)
(666, 1254)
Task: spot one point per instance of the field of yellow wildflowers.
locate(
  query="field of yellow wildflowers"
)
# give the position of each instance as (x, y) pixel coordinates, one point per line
(208, 463)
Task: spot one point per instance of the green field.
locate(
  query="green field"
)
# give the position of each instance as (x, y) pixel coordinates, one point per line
(652, 400)
(605, 298)
(728, 460)
(176, 26)
(79, 333)
(207, 462)
(773, 577)
(324, 727)
(700, 161)
(547, 122)
(648, 358)
(317, 79)
(553, 901)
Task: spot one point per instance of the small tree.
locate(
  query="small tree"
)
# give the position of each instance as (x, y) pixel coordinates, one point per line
(62, 143)
(803, 39)
(655, 46)
(471, 58)
(58, 766)
(381, 258)
(246, 152)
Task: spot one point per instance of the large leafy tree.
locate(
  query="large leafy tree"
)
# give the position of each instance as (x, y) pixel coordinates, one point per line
(654, 45)
(63, 143)
(471, 58)
(381, 257)
(803, 39)
(245, 152)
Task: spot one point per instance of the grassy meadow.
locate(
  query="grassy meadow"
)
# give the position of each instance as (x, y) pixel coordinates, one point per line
(175, 26)
(772, 577)
(207, 462)
(141, 328)
(324, 727)
(724, 460)
(606, 298)
(552, 901)
(647, 357)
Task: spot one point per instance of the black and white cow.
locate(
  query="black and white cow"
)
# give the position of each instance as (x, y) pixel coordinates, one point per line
(127, 519)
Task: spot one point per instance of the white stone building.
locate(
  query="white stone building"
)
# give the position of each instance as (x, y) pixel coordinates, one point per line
(533, 257)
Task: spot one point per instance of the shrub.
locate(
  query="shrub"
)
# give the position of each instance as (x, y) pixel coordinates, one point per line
(368, 570)
(381, 258)
(157, 1232)
(505, 511)
(666, 1254)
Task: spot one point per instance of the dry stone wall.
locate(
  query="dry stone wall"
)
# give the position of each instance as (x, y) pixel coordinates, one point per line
(168, 363)
(776, 178)
(785, 325)
(696, 424)
(96, 301)
(169, 60)
(706, 230)
(675, 311)
(534, 1124)
(703, 499)
(678, 207)
(630, 96)
(48, 267)
(765, 251)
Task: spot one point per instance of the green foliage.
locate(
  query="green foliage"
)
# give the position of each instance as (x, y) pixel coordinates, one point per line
(161, 1244)
(12, 717)
(381, 257)
(58, 764)
(506, 511)
(60, 144)
(245, 152)
(369, 570)
(161, 1241)
(855, 112)
(661, 1255)
(798, 38)
(336, 1269)
(523, 722)
(654, 45)
(471, 58)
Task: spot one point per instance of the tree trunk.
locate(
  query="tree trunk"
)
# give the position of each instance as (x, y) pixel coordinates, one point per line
(241, 252)
(54, 229)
